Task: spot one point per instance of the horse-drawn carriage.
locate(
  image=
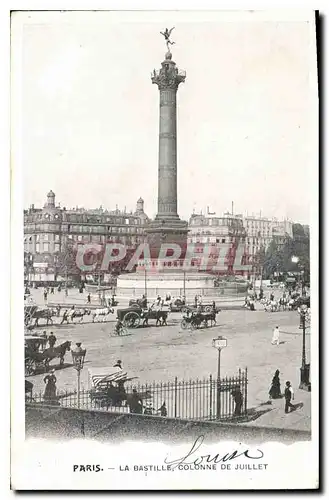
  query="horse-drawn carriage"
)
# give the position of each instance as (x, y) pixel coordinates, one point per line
(38, 356)
(133, 316)
(197, 319)
(34, 346)
(108, 388)
(34, 313)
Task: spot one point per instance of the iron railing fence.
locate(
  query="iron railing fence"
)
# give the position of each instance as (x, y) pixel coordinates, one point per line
(200, 399)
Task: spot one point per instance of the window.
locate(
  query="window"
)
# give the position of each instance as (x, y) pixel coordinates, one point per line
(37, 237)
(57, 247)
(56, 237)
(69, 228)
(126, 221)
(37, 247)
(46, 247)
(46, 237)
(79, 237)
(223, 240)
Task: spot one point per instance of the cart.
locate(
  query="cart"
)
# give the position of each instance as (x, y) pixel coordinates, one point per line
(34, 347)
(108, 387)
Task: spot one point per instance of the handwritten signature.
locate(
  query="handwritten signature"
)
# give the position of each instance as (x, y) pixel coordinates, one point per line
(211, 459)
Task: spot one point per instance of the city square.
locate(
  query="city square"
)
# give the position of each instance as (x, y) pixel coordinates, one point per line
(159, 354)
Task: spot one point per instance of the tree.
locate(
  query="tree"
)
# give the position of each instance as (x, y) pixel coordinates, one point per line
(273, 260)
(66, 261)
(279, 258)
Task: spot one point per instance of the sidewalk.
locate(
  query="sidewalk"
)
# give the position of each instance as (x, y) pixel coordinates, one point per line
(275, 417)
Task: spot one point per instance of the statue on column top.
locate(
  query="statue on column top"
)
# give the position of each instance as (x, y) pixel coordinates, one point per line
(166, 35)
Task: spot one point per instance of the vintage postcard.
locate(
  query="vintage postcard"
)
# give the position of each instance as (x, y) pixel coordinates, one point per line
(164, 215)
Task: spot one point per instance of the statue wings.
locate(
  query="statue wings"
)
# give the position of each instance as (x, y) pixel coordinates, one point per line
(167, 33)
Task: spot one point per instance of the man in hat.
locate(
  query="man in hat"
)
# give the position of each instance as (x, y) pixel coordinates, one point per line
(135, 403)
(238, 400)
(118, 364)
(288, 396)
(51, 340)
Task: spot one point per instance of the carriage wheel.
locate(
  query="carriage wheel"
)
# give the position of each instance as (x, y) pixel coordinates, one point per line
(193, 326)
(131, 320)
(123, 331)
(208, 309)
(184, 310)
(184, 324)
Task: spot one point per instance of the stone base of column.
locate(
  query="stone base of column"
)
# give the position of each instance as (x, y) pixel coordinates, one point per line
(166, 231)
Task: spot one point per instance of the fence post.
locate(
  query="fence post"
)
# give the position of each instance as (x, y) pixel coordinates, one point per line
(175, 401)
(245, 391)
(210, 397)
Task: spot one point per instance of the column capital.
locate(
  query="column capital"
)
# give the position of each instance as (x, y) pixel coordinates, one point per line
(169, 76)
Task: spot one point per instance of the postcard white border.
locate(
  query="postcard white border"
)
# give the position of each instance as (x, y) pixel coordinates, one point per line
(17, 373)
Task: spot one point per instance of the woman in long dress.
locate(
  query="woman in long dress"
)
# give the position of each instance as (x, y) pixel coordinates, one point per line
(275, 389)
(50, 390)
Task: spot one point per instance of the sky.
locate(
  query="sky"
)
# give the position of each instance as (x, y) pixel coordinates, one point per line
(89, 113)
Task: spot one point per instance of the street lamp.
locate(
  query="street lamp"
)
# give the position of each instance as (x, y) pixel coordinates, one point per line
(78, 357)
(305, 368)
(219, 343)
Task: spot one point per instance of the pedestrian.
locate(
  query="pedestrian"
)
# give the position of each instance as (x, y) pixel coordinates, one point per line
(275, 389)
(276, 336)
(288, 396)
(88, 298)
(163, 410)
(50, 390)
(238, 400)
(118, 364)
(45, 340)
(135, 403)
(51, 340)
(45, 295)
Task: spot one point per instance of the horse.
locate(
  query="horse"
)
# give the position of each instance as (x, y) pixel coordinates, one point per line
(56, 352)
(102, 312)
(44, 313)
(209, 317)
(68, 315)
(283, 303)
(80, 314)
(157, 314)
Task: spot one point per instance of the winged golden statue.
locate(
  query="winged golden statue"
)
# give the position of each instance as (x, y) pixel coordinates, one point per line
(166, 35)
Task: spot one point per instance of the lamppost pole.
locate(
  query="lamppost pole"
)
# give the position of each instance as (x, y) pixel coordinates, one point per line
(218, 384)
(78, 357)
(305, 368)
(219, 343)
(78, 394)
(145, 281)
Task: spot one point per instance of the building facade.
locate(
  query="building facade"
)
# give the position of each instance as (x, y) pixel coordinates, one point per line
(49, 230)
(260, 231)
